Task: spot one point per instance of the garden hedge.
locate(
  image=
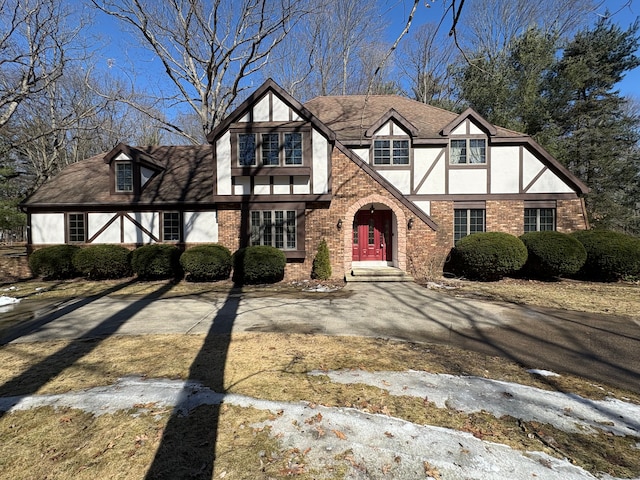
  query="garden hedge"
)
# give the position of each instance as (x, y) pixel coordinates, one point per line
(610, 255)
(552, 254)
(489, 256)
(54, 262)
(258, 264)
(156, 261)
(206, 263)
(99, 262)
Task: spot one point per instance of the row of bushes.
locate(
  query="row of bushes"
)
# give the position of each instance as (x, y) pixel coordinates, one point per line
(256, 264)
(590, 254)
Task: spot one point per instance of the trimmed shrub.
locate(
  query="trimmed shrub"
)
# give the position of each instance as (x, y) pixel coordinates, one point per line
(552, 254)
(206, 263)
(489, 256)
(99, 262)
(258, 264)
(55, 262)
(321, 263)
(156, 261)
(610, 255)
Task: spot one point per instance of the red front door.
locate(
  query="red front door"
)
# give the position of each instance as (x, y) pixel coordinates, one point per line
(372, 236)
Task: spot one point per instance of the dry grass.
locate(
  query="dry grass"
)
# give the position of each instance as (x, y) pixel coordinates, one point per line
(269, 366)
(604, 298)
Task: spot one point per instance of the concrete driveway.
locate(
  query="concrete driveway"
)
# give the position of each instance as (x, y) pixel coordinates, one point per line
(603, 348)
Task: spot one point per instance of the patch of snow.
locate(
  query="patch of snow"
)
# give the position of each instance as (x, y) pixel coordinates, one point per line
(39, 289)
(4, 300)
(321, 289)
(568, 412)
(10, 289)
(434, 285)
(371, 446)
(543, 373)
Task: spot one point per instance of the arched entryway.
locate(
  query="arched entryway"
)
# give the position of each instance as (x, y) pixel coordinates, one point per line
(377, 236)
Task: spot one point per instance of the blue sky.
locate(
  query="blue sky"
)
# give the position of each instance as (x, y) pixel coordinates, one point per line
(117, 48)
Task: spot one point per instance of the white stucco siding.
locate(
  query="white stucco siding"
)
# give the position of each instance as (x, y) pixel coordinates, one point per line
(242, 186)
(363, 153)
(320, 163)
(96, 221)
(280, 110)
(200, 227)
(301, 185)
(281, 185)
(474, 129)
(423, 160)
(549, 183)
(505, 169)
(123, 156)
(149, 220)
(223, 164)
(47, 228)
(531, 167)
(424, 205)
(261, 110)
(465, 181)
(384, 130)
(401, 179)
(460, 129)
(261, 186)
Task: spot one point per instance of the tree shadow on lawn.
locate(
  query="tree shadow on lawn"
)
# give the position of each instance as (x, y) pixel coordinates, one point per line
(183, 453)
(41, 373)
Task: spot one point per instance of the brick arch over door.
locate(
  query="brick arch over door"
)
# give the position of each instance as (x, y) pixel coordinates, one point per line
(401, 226)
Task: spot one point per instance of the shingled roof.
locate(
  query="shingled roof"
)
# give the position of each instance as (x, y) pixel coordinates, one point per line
(186, 177)
(352, 115)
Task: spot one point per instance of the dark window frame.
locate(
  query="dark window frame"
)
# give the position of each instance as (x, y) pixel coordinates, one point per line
(467, 224)
(384, 151)
(171, 227)
(300, 156)
(465, 145)
(537, 219)
(76, 233)
(277, 228)
(121, 187)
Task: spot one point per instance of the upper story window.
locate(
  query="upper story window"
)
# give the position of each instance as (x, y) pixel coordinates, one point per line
(275, 149)
(124, 177)
(391, 152)
(468, 151)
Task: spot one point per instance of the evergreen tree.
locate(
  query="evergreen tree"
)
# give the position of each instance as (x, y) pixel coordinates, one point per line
(597, 135)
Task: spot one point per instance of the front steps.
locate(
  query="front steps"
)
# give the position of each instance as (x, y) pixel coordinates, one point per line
(378, 274)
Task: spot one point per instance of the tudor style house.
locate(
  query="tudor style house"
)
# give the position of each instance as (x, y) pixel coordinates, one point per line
(385, 180)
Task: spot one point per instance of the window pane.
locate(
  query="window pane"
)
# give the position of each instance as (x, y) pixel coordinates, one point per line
(459, 224)
(267, 229)
(171, 227)
(293, 148)
(401, 152)
(76, 227)
(279, 228)
(530, 220)
(255, 228)
(458, 153)
(291, 229)
(246, 149)
(270, 149)
(124, 177)
(477, 151)
(355, 232)
(547, 219)
(381, 152)
(476, 221)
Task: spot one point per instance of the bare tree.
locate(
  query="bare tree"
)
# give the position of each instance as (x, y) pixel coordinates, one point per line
(492, 25)
(426, 61)
(207, 48)
(35, 37)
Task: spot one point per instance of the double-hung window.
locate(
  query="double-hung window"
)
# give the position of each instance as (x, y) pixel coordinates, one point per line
(391, 152)
(124, 177)
(539, 219)
(77, 228)
(468, 151)
(270, 149)
(467, 221)
(276, 228)
(171, 226)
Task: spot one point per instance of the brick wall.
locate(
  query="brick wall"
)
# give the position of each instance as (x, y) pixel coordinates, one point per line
(571, 215)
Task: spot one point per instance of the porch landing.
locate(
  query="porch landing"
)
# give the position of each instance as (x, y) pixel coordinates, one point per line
(378, 274)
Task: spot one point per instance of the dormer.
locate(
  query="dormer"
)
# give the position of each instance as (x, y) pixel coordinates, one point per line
(130, 169)
(391, 139)
(469, 135)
